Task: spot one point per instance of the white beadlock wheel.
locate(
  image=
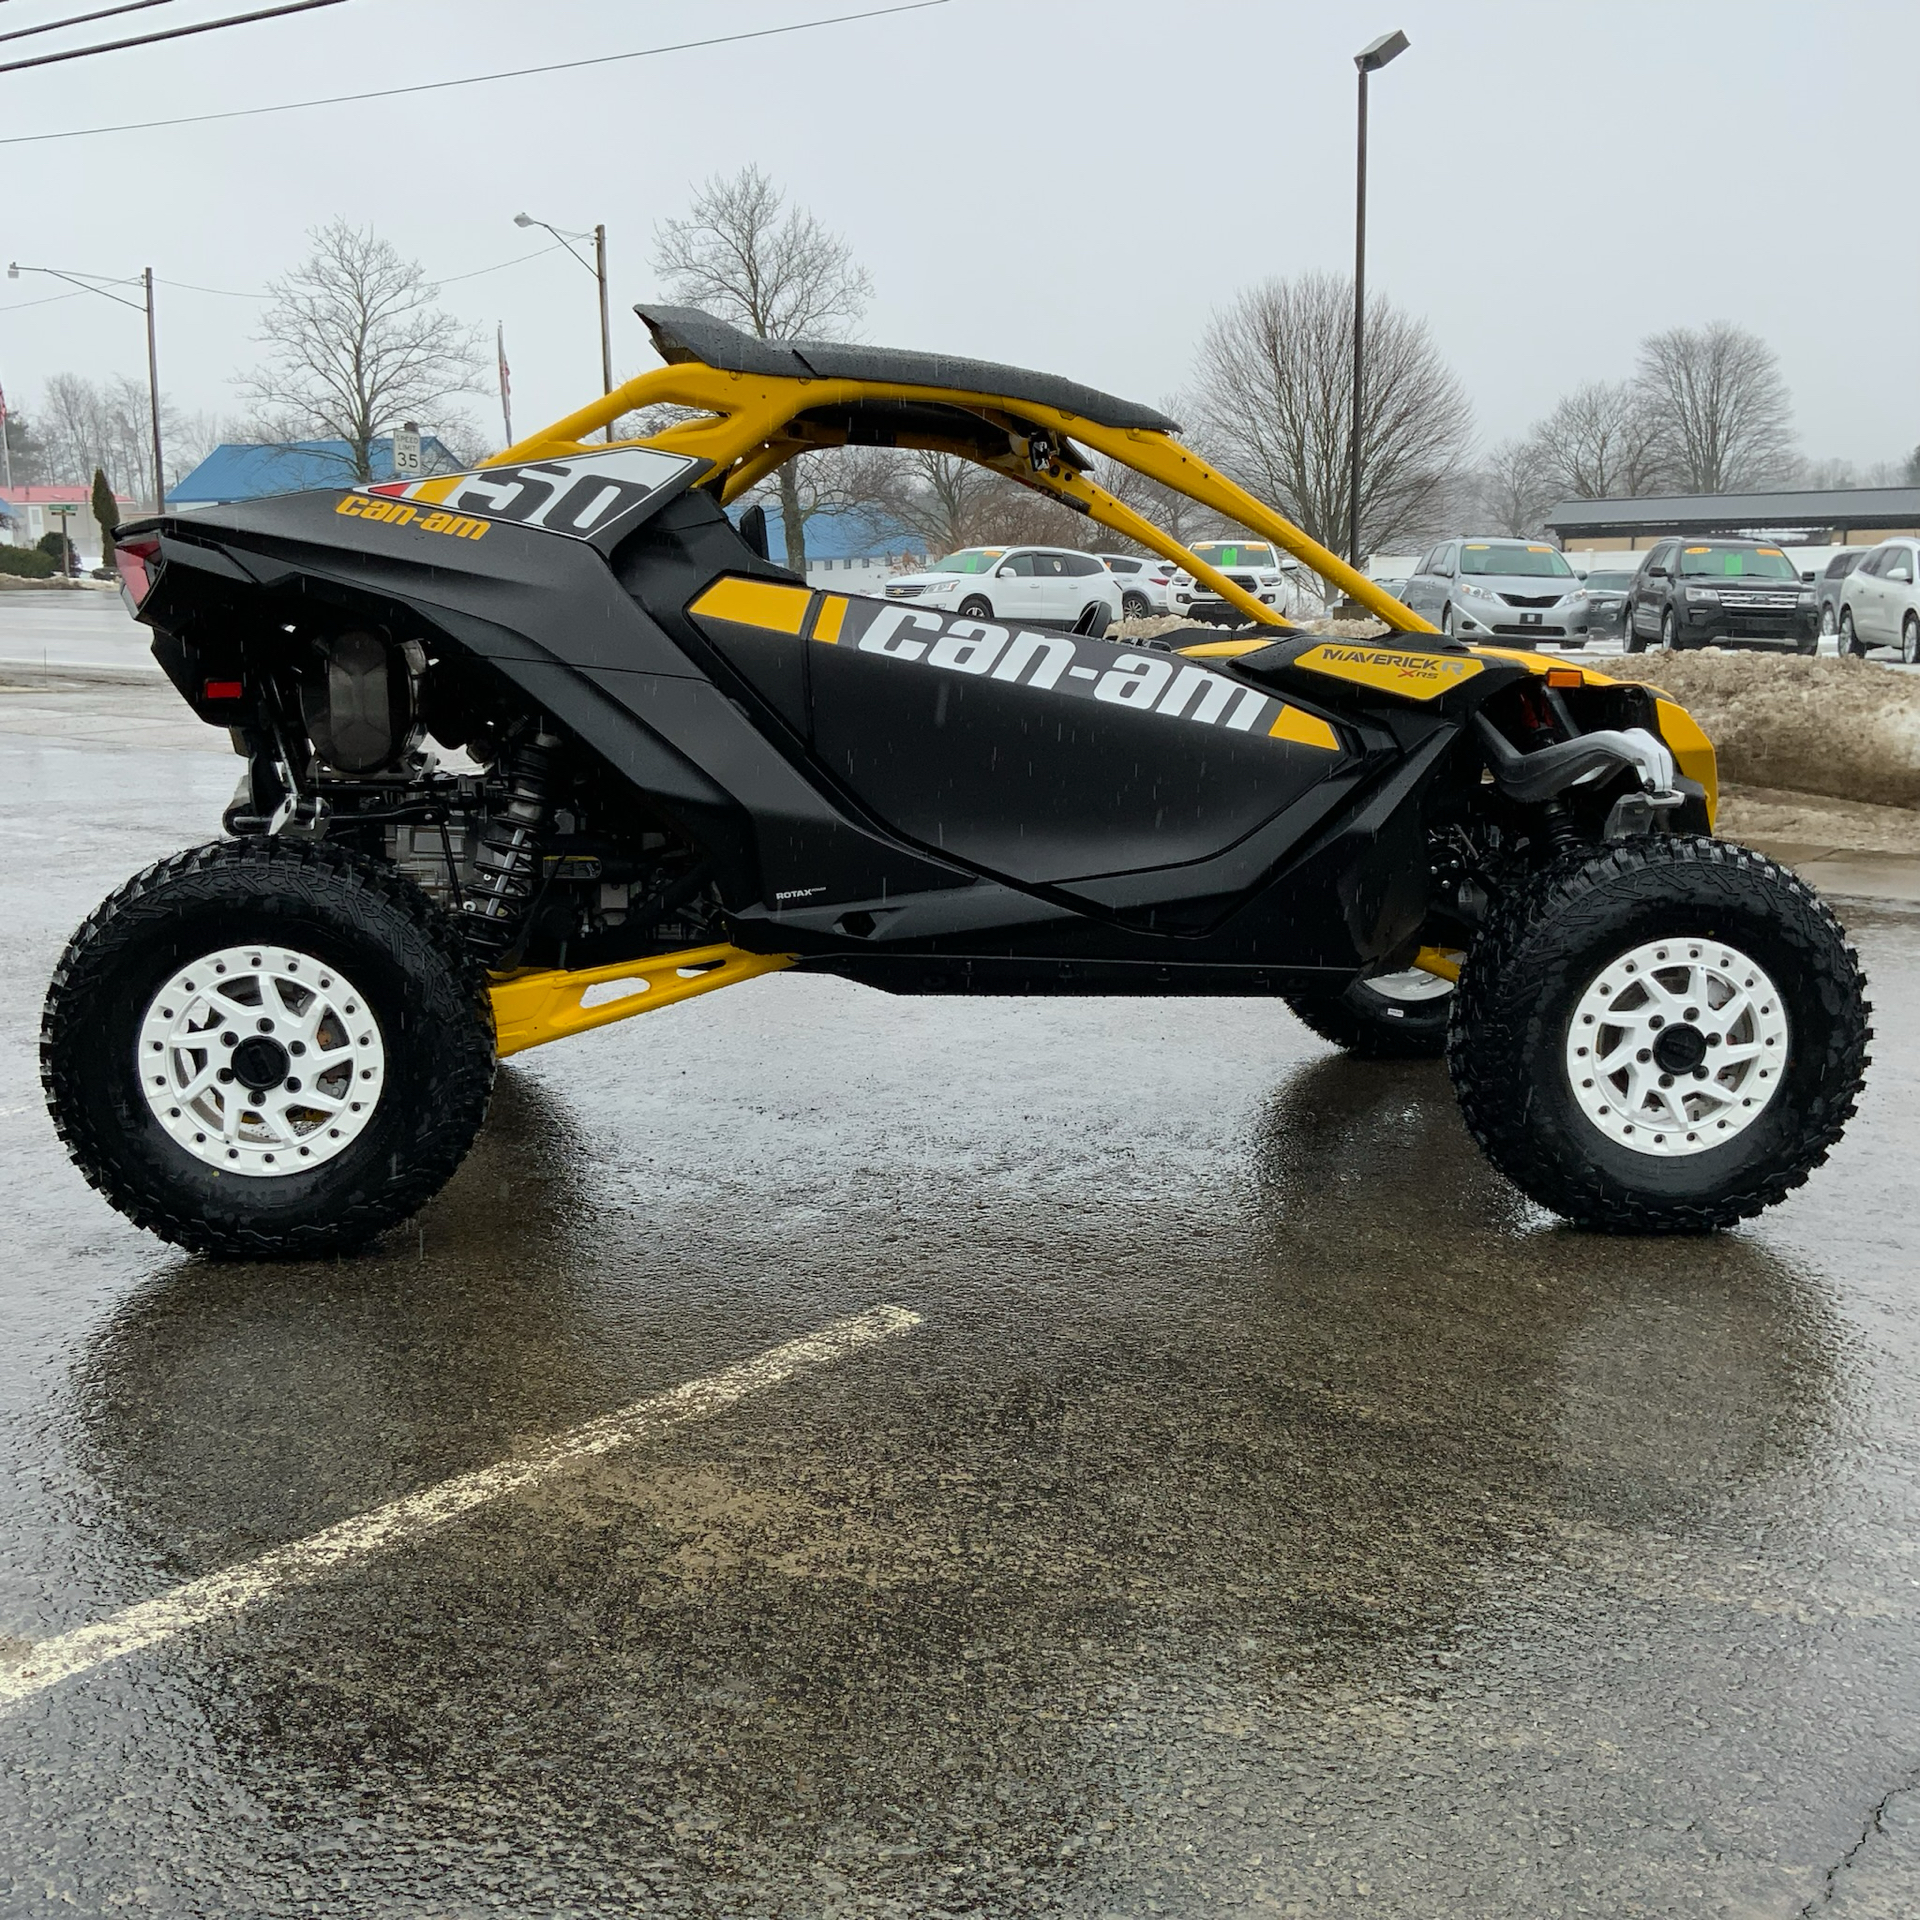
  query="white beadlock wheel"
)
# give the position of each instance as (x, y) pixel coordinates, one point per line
(1415, 987)
(1677, 1046)
(261, 1060)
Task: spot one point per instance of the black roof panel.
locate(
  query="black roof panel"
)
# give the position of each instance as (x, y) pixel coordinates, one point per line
(682, 334)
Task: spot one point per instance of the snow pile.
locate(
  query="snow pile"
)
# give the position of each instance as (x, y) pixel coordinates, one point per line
(1768, 816)
(1846, 728)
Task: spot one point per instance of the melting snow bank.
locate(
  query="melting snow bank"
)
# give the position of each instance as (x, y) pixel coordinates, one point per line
(1846, 728)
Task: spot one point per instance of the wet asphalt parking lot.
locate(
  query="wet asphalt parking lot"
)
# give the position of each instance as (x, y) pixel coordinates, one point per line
(1268, 1512)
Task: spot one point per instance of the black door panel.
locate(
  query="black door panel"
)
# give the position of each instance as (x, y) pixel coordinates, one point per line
(1047, 757)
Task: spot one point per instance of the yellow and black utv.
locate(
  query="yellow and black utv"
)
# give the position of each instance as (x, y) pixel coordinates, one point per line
(677, 766)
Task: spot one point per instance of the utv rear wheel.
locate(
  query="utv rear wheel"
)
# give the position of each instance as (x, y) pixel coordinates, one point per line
(267, 1048)
(1665, 1037)
(1394, 1016)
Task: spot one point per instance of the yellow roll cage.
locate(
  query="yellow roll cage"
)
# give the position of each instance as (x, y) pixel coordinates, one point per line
(750, 427)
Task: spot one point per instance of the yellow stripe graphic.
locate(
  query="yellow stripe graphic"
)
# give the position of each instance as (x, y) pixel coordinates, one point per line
(755, 603)
(1304, 728)
(833, 612)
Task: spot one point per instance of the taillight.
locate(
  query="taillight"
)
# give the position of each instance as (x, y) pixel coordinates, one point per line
(135, 559)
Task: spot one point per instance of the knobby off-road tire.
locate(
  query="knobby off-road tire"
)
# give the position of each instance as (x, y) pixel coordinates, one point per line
(1553, 950)
(348, 937)
(1375, 1022)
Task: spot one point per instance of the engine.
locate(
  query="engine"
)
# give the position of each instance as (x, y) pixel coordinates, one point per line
(519, 832)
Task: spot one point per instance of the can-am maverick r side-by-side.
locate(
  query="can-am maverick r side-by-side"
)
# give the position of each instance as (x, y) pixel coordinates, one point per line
(667, 765)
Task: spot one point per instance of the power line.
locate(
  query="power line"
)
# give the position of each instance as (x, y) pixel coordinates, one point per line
(46, 301)
(168, 33)
(469, 80)
(539, 253)
(441, 280)
(81, 19)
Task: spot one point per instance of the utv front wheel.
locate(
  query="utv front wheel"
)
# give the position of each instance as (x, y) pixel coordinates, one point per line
(1665, 1037)
(267, 1048)
(1394, 1016)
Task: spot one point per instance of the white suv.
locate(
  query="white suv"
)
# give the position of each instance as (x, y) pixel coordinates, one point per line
(1251, 564)
(1143, 583)
(1036, 586)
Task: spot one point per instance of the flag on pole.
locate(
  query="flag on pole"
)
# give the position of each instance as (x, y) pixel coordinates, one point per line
(506, 378)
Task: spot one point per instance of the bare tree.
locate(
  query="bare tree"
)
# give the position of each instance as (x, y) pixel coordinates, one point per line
(357, 346)
(860, 485)
(1187, 520)
(1726, 418)
(1515, 489)
(1274, 393)
(744, 254)
(1602, 442)
(944, 500)
(107, 425)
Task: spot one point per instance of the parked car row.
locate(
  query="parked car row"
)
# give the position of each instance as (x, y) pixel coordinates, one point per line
(1059, 587)
(1683, 593)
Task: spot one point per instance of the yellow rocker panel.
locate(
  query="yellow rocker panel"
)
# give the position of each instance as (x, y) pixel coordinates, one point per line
(539, 1004)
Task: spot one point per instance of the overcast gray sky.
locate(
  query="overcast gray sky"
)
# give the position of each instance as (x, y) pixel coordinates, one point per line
(1066, 184)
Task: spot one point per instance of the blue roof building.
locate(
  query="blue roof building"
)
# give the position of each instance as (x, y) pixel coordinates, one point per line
(237, 471)
(843, 536)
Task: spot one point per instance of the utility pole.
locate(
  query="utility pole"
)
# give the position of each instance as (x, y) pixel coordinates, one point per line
(506, 379)
(1369, 59)
(153, 396)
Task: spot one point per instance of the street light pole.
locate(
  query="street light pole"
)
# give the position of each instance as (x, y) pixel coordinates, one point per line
(85, 282)
(599, 271)
(1370, 59)
(606, 328)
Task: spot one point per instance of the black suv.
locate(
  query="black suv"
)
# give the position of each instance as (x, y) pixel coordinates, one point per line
(1716, 593)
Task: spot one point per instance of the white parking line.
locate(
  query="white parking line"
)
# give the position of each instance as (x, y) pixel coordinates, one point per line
(221, 1595)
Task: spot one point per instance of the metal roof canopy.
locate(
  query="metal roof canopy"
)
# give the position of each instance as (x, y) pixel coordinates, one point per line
(1734, 512)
